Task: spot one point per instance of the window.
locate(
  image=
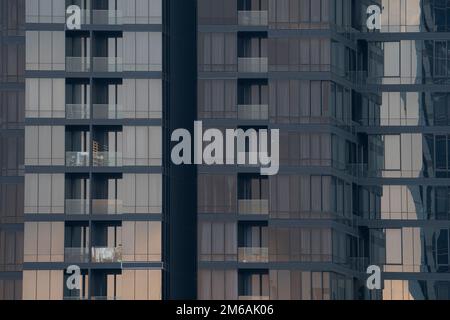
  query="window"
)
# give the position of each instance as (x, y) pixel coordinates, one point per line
(217, 99)
(12, 62)
(44, 193)
(392, 59)
(220, 12)
(217, 284)
(142, 284)
(141, 241)
(303, 101)
(292, 54)
(141, 193)
(45, 98)
(217, 52)
(142, 146)
(392, 148)
(394, 246)
(298, 14)
(441, 248)
(141, 11)
(300, 285)
(217, 193)
(45, 11)
(142, 51)
(44, 242)
(11, 155)
(217, 241)
(44, 145)
(43, 285)
(45, 50)
(142, 98)
(293, 244)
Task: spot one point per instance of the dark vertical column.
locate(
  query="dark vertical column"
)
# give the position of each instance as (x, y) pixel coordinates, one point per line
(180, 222)
(12, 110)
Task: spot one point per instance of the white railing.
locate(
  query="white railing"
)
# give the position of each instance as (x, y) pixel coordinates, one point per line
(77, 111)
(107, 159)
(77, 159)
(106, 254)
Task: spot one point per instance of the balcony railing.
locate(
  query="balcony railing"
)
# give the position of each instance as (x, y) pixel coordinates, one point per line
(77, 206)
(77, 159)
(107, 111)
(253, 254)
(78, 64)
(107, 159)
(253, 18)
(253, 112)
(253, 206)
(107, 64)
(107, 206)
(106, 254)
(77, 111)
(254, 298)
(77, 255)
(253, 65)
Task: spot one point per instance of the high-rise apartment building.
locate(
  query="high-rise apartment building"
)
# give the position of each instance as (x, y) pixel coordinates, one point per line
(363, 120)
(95, 101)
(86, 117)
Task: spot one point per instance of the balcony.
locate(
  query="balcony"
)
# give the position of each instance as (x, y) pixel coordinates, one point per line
(253, 206)
(107, 206)
(253, 18)
(253, 255)
(76, 255)
(106, 254)
(77, 206)
(77, 159)
(77, 111)
(78, 64)
(253, 65)
(107, 159)
(107, 64)
(108, 111)
(253, 298)
(253, 112)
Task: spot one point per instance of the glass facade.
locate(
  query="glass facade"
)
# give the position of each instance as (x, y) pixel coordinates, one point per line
(12, 148)
(93, 150)
(363, 149)
(85, 172)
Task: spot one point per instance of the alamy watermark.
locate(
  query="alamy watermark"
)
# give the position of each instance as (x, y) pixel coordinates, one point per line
(374, 20)
(242, 147)
(73, 21)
